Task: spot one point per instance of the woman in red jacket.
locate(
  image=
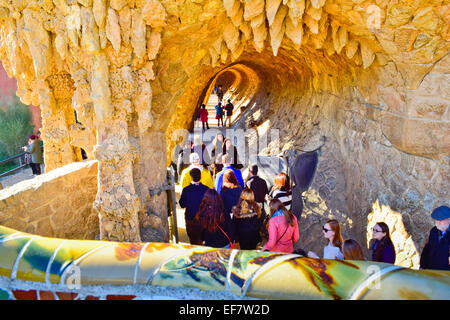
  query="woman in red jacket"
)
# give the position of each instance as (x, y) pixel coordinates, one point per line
(283, 228)
(204, 116)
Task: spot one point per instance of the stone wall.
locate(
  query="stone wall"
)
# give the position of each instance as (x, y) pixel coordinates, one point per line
(362, 178)
(55, 204)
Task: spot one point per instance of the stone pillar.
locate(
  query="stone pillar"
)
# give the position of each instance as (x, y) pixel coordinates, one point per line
(55, 96)
(151, 173)
(82, 133)
(117, 202)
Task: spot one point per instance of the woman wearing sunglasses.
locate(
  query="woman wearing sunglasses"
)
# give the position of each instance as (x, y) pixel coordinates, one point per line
(382, 247)
(332, 233)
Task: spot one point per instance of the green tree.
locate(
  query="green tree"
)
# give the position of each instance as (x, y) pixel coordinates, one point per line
(15, 126)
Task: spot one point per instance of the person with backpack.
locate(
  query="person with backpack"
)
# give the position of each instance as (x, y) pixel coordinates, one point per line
(219, 113)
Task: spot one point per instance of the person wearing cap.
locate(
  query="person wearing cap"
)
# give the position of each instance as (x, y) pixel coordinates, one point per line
(435, 254)
(206, 178)
(34, 149)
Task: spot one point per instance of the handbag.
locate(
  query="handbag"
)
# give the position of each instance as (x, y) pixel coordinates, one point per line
(231, 244)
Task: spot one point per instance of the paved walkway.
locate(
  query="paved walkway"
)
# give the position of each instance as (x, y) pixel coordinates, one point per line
(22, 174)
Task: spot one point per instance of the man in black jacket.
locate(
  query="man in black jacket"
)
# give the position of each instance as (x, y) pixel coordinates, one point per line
(258, 185)
(229, 109)
(191, 198)
(435, 254)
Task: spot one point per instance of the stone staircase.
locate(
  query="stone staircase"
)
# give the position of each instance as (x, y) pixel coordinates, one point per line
(210, 106)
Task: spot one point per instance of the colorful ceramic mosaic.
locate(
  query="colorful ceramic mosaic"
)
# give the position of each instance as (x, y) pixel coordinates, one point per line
(34, 267)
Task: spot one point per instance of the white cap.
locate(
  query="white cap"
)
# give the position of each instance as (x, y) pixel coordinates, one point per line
(194, 157)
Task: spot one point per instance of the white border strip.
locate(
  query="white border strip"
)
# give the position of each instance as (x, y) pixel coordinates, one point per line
(21, 253)
(50, 262)
(14, 236)
(368, 282)
(265, 267)
(230, 266)
(136, 267)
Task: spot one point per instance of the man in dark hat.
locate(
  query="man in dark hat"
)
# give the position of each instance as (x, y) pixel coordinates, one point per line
(435, 254)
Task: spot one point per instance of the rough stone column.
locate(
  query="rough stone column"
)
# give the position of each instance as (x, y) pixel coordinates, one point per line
(153, 217)
(150, 164)
(82, 133)
(117, 202)
(55, 96)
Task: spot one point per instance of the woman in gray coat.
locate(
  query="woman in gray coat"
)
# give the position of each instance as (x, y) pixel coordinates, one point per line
(34, 148)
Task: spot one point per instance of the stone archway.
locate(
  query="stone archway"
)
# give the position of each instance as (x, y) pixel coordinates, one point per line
(137, 69)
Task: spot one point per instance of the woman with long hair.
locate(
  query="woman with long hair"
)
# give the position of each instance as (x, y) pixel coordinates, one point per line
(332, 234)
(282, 190)
(246, 222)
(230, 192)
(217, 230)
(216, 153)
(229, 148)
(352, 250)
(382, 246)
(283, 228)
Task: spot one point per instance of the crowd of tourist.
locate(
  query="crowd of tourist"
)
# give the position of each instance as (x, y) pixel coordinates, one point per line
(222, 110)
(224, 211)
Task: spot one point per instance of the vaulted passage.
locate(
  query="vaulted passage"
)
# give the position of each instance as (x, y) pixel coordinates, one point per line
(370, 76)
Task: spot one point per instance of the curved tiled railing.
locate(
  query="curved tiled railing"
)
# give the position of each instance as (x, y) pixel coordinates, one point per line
(34, 267)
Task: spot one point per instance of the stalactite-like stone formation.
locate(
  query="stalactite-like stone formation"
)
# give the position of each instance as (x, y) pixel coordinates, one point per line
(40, 38)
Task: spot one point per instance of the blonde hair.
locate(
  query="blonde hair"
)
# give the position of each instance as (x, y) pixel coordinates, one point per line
(246, 204)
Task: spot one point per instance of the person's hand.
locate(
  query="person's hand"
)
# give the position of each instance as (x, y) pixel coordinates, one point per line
(312, 254)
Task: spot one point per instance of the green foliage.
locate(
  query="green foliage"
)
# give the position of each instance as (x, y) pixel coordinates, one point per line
(15, 127)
